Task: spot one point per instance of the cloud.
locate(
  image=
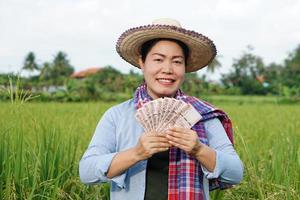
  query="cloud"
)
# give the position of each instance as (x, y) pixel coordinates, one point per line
(88, 29)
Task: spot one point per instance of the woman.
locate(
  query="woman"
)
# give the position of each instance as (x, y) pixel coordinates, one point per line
(180, 163)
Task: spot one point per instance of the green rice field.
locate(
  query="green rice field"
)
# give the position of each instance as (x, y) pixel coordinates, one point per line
(42, 143)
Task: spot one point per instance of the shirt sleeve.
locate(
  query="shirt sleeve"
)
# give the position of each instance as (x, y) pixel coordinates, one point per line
(97, 158)
(229, 167)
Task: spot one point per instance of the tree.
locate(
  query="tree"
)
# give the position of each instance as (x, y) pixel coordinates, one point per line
(211, 67)
(30, 62)
(291, 71)
(287, 77)
(61, 68)
(132, 81)
(248, 70)
(109, 79)
(45, 71)
(273, 78)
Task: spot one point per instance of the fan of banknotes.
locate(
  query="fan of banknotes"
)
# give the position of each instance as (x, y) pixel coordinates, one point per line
(160, 114)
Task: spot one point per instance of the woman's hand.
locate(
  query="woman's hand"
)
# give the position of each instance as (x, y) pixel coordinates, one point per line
(151, 143)
(148, 144)
(185, 139)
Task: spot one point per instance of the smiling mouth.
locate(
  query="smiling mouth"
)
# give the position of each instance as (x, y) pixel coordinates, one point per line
(165, 80)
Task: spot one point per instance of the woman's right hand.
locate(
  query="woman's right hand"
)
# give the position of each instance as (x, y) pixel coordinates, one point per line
(151, 143)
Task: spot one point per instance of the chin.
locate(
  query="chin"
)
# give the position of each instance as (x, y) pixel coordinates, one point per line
(167, 94)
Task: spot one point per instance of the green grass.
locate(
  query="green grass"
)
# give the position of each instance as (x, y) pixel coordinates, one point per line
(40, 147)
(42, 143)
(237, 99)
(267, 139)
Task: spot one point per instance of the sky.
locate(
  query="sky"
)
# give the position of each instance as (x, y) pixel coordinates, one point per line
(87, 30)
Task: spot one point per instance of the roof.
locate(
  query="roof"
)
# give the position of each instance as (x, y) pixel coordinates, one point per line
(260, 78)
(86, 72)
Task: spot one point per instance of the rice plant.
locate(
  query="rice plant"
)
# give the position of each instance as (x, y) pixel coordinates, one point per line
(16, 94)
(42, 143)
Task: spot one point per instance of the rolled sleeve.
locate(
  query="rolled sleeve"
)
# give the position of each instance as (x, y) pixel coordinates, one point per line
(217, 170)
(102, 167)
(229, 167)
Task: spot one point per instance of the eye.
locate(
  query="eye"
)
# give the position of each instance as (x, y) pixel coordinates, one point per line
(157, 59)
(178, 62)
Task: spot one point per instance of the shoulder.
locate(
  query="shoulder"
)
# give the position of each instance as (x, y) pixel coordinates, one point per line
(207, 110)
(213, 123)
(119, 110)
(203, 107)
(215, 132)
(126, 105)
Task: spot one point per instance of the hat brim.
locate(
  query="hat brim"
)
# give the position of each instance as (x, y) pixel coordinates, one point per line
(201, 49)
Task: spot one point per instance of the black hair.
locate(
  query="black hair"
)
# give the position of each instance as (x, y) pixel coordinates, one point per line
(147, 46)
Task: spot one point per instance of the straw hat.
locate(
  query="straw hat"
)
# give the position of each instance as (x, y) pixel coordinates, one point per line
(201, 49)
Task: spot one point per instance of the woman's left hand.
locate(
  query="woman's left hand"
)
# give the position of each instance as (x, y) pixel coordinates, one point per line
(185, 139)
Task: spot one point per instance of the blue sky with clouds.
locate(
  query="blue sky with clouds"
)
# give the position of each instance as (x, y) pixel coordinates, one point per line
(88, 29)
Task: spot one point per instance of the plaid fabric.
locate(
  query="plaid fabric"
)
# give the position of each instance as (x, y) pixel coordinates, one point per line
(185, 173)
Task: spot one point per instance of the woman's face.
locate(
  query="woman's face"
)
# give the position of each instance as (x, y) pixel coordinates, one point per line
(163, 69)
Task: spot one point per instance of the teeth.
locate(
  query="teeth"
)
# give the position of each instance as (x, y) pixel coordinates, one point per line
(165, 80)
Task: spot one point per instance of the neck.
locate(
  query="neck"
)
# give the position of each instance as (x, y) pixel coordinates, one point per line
(154, 96)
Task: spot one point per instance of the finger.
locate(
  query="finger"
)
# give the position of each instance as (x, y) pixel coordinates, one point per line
(152, 133)
(178, 140)
(156, 150)
(179, 145)
(159, 145)
(179, 129)
(182, 130)
(158, 138)
(176, 134)
(159, 135)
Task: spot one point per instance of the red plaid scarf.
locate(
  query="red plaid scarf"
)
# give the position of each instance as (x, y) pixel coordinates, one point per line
(185, 173)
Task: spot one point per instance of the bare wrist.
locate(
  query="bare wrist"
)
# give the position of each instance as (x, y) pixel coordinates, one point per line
(199, 150)
(136, 154)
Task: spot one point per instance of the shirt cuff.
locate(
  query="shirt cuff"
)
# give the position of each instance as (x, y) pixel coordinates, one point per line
(218, 168)
(102, 167)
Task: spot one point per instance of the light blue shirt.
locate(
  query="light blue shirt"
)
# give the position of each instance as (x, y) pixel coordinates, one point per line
(118, 130)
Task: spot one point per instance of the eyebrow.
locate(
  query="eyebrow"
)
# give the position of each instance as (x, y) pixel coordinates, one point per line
(165, 55)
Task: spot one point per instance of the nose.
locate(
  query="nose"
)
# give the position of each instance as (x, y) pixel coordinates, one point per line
(167, 68)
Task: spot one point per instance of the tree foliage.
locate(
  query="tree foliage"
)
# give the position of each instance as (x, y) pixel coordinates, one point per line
(60, 68)
(248, 75)
(215, 64)
(30, 62)
(291, 72)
